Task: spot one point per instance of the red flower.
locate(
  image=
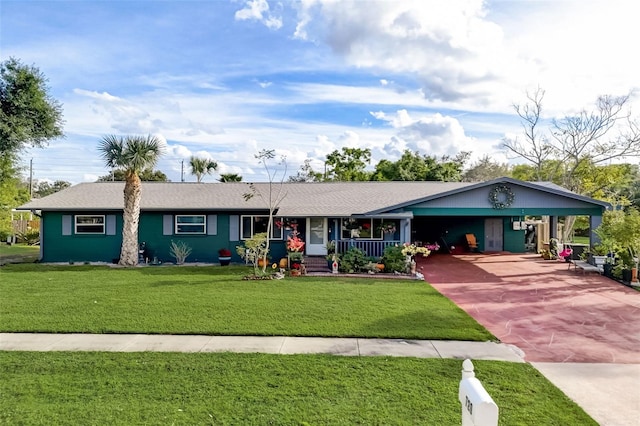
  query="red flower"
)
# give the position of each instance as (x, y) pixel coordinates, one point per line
(295, 244)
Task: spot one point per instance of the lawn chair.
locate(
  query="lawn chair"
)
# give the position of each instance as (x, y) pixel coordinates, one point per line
(471, 242)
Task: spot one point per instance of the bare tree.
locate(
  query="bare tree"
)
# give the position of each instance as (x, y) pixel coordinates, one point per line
(595, 137)
(535, 148)
(575, 144)
(274, 193)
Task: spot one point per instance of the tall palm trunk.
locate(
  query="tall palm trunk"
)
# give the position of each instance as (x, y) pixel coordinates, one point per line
(131, 217)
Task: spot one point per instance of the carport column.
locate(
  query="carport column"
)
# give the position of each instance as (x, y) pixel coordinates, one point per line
(405, 230)
(553, 226)
(594, 222)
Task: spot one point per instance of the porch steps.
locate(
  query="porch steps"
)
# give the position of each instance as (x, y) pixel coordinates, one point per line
(316, 264)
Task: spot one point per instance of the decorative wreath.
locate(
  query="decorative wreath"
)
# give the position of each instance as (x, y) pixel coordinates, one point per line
(501, 197)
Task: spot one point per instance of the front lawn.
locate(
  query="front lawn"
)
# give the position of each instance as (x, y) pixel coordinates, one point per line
(18, 253)
(215, 300)
(39, 388)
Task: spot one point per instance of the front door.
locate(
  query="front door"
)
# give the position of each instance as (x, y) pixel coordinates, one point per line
(316, 241)
(493, 234)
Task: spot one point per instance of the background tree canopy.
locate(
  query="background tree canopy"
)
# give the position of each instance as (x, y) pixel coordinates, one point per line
(29, 116)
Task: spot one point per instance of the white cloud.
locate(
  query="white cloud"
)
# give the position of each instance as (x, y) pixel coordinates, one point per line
(433, 134)
(450, 46)
(258, 10)
(483, 55)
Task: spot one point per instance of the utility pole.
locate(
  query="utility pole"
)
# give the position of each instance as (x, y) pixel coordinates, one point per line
(182, 171)
(30, 178)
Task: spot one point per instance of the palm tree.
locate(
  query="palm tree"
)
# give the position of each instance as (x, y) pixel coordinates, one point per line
(202, 166)
(133, 154)
(230, 177)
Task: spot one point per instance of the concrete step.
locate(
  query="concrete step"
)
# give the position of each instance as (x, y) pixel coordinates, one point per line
(316, 264)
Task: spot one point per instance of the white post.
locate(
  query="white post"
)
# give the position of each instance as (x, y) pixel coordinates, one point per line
(478, 408)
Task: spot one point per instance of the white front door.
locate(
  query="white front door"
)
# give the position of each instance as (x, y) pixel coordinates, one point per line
(316, 238)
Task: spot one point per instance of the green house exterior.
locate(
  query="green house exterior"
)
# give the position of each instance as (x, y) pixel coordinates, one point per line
(84, 223)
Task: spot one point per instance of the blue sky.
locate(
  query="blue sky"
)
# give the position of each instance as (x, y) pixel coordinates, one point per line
(225, 79)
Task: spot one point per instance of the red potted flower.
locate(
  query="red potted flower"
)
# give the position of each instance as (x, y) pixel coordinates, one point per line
(224, 256)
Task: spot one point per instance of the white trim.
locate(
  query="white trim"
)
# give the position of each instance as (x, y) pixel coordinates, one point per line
(76, 224)
(203, 224)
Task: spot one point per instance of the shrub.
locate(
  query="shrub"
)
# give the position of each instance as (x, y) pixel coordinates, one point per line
(180, 251)
(394, 260)
(31, 237)
(353, 260)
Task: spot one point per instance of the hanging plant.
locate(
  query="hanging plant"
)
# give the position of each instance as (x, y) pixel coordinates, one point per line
(501, 197)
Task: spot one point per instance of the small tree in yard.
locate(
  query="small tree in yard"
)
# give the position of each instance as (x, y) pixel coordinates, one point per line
(272, 197)
(254, 249)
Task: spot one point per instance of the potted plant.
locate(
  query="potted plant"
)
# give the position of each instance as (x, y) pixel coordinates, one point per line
(296, 266)
(224, 256)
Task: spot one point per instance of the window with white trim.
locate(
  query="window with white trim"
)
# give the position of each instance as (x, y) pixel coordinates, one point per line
(251, 225)
(191, 224)
(362, 228)
(85, 224)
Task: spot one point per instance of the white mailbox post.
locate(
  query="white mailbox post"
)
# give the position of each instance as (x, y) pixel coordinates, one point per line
(478, 408)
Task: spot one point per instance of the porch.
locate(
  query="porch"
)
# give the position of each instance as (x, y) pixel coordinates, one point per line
(372, 248)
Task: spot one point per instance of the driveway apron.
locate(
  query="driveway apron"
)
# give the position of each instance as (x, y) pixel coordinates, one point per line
(550, 312)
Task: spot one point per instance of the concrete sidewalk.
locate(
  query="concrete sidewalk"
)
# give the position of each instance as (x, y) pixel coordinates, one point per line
(607, 392)
(263, 344)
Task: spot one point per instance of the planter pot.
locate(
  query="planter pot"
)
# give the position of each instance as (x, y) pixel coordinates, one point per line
(626, 275)
(295, 272)
(224, 260)
(608, 270)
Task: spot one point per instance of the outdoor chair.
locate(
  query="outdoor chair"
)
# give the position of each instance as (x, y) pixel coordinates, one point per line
(471, 242)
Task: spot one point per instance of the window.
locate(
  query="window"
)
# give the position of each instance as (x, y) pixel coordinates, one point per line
(251, 225)
(191, 224)
(89, 224)
(362, 228)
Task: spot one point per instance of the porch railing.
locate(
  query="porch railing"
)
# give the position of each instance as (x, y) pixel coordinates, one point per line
(370, 247)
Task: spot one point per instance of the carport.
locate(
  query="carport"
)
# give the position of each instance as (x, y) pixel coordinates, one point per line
(495, 212)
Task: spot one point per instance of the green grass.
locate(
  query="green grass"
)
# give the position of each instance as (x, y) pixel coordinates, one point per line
(257, 389)
(18, 253)
(215, 300)
(581, 240)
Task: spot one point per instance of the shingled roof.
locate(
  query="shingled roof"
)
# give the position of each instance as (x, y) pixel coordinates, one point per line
(302, 199)
(307, 199)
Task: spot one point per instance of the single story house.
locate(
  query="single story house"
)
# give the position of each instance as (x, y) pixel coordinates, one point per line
(84, 222)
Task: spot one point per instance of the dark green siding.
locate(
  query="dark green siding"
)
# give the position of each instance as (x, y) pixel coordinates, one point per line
(513, 241)
(106, 248)
(78, 248)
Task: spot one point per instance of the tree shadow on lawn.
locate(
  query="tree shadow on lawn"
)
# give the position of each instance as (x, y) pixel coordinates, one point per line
(428, 325)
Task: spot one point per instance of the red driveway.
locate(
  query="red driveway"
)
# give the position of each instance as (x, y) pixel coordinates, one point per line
(551, 313)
